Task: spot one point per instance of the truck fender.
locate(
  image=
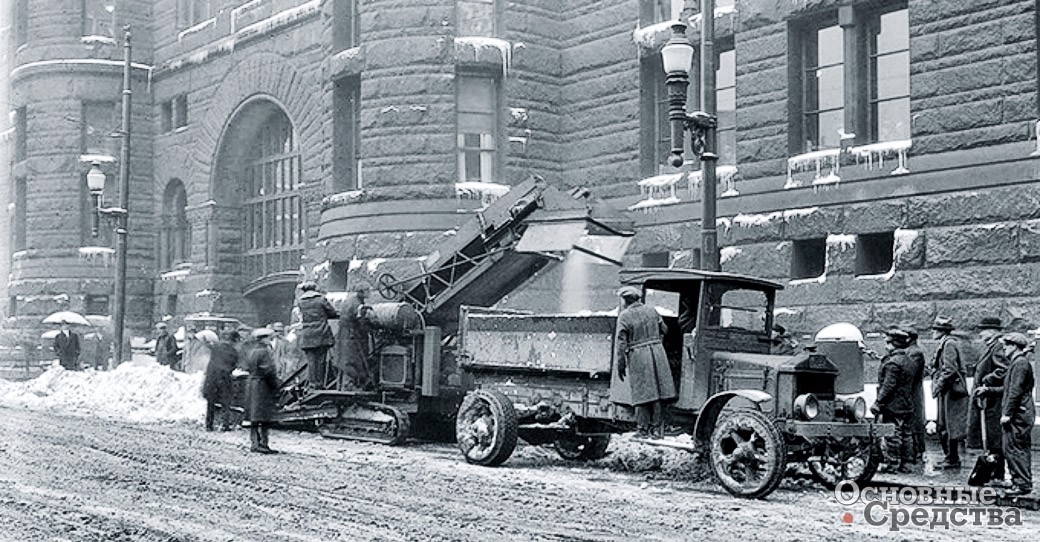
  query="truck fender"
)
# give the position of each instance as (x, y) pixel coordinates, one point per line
(709, 414)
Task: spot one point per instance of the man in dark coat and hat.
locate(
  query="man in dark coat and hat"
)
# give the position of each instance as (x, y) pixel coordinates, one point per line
(917, 365)
(1018, 414)
(217, 385)
(66, 345)
(315, 333)
(950, 388)
(166, 350)
(894, 402)
(261, 388)
(984, 412)
(642, 360)
(352, 348)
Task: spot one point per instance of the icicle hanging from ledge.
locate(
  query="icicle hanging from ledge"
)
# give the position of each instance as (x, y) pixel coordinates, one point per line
(658, 190)
(1037, 133)
(815, 160)
(882, 149)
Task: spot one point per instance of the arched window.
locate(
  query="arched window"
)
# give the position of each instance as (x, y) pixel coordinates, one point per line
(274, 239)
(174, 232)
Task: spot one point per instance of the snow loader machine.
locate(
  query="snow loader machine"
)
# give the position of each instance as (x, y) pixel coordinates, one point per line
(418, 383)
(552, 379)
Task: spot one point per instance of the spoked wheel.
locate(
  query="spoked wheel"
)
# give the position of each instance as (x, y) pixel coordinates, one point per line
(387, 286)
(581, 448)
(747, 454)
(836, 460)
(486, 427)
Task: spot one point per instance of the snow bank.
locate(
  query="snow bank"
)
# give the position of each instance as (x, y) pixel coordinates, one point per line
(144, 392)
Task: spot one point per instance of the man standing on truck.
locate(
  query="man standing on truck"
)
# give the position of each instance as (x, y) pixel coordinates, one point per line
(352, 340)
(641, 358)
(315, 334)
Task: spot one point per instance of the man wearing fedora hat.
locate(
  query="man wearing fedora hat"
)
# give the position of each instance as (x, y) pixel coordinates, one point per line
(949, 387)
(984, 414)
(895, 402)
(642, 360)
(1018, 413)
(917, 363)
(261, 388)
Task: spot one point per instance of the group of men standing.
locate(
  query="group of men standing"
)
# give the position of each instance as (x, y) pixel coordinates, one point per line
(999, 412)
(351, 343)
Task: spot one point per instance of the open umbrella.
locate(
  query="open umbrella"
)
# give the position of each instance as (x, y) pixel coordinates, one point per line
(67, 317)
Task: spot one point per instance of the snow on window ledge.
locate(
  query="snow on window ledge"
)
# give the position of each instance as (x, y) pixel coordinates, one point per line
(102, 158)
(883, 276)
(479, 43)
(178, 274)
(726, 254)
(486, 192)
(817, 161)
(813, 280)
(658, 190)
(98, 40)
(882, 149)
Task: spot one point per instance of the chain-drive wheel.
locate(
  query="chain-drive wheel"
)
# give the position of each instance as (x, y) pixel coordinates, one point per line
(748, 454)
(486, 428)
(836, 460)
(387, 285)
(582, 448)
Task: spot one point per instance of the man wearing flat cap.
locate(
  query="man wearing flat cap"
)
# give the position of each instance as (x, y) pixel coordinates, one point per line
(950, 388)
(895, 402)
(984, 414)
(315, 333)
(917, 363)
(641, 359)
(1018, 413)
(166, 347)
(261, 388)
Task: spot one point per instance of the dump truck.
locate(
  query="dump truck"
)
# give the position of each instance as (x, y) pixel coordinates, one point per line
(419, 385)
(552, 378)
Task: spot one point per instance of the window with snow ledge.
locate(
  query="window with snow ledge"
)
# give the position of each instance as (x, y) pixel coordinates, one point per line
(171, 304)
(475, 18)
(478, 127)
(192, 12)
(96, 305)
(98, 18)
(656, 259)
(98, 121)
(166, 116)
(12, 306)
(180, 111)
(346, 129)
(874, 253)
(808, 258)
(344, 24)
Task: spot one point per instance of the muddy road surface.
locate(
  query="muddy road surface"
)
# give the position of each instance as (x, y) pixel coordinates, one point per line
(66, 478)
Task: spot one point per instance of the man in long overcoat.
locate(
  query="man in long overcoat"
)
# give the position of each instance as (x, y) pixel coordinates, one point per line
(315, 333)
(642, 360)
(352, 348)
(917, 365)
(217, 385)
(985, 407)
(1018, 414)
(166, 348)
(949, 387)
(66, 345)
(261, 389)
(895, 402)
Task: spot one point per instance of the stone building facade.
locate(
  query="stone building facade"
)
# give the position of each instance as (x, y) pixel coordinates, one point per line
(277, 140)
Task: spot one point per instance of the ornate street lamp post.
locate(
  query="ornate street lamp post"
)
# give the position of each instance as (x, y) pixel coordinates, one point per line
(677, 56)
(96, 185)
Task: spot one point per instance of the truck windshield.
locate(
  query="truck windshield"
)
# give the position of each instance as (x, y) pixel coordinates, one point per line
(737, 307)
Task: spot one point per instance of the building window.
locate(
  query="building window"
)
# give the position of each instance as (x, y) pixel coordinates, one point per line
(657, 11)
(12, 306)
(98, 18)
(808, 258)
(477, 127)
(656, 131)
(656, 259)
(96, 305)
(171, 304)
(823, 86)
(98, 124)
(889, 41)
(192, 12)
(180, 111)
(174, 233)
(344, 24)
(20, 201)
(475, 17)
(874, 253)
(21, 125)
(726, 105)
(346, 128)
(166, 116)
(21, 22)
(275, 228)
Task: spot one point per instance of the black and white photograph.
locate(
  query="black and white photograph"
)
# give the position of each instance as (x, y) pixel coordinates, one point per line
(519, 270)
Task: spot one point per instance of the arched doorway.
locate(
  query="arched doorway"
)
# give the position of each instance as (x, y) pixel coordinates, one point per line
(259, 178)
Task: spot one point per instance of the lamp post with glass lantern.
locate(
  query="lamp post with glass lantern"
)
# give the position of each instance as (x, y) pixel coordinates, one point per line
(96, 185)
(677, 56)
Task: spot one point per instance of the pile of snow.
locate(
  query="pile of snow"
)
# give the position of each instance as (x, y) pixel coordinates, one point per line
(144, 392)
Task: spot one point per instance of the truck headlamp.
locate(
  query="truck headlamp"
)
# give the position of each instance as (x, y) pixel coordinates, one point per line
(855, 409)
(807, 406)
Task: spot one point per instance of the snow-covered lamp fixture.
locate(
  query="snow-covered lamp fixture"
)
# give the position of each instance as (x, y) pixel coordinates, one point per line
(677, 54)
(96, 185)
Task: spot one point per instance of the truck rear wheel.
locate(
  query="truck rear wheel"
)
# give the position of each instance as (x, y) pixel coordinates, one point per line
(581, 448)
(748, 453)
(486, 428)
(836, 460)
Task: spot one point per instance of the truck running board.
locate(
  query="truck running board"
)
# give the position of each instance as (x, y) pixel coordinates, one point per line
(669, 443)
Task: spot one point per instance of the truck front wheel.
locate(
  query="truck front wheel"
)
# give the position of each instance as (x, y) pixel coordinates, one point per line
(486, 428)
(748, 453)
(836, 460)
